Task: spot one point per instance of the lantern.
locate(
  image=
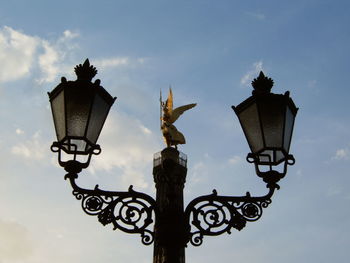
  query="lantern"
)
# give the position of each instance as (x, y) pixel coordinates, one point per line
(267, 120)
(79, 110)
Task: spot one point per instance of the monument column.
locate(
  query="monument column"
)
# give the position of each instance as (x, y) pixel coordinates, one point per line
(170, 229)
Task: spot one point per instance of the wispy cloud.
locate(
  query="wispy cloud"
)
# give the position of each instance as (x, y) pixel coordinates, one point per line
(33, 149)
(342, 154)
(52, 59)
(47, 62)
(235, 160)
(19, 131)
(115, 62)
(256, 15)
(111, 62)
(127, 145)
(251, 74)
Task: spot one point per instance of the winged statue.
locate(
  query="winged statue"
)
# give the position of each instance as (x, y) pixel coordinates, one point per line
(168, 116)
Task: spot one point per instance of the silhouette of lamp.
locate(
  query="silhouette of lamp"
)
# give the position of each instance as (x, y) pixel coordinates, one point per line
(80, 109)
(267, 120)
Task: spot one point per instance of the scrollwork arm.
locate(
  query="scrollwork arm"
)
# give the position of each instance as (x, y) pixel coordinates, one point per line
(214, 215)
(130, 211)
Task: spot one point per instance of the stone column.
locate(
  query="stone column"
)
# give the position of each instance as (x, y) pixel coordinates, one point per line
(170, 229)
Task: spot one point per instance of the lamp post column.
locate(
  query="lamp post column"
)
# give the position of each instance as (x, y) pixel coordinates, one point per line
(170, 228)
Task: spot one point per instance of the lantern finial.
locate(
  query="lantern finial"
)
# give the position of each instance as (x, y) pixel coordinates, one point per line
(85, 71)
(262, 84)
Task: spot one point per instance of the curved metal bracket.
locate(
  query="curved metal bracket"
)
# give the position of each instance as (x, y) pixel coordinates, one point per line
(131, 211)
(213, 215)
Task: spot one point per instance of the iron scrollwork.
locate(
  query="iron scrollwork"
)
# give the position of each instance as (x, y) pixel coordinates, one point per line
(130, 211)
(214, 215)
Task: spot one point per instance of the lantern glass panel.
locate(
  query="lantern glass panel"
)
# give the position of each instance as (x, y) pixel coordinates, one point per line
(77, 145)
(250, 122)
(58, 112)
(280, 156)
(266, 156)
(272, 113)
(78, 109)
(288, 129)
(99, 112)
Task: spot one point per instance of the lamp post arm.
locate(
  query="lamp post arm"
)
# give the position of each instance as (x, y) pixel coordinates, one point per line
(214, 215)
(130, 211)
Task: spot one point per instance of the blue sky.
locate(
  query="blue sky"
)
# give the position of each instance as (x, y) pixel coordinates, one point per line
(209, 52)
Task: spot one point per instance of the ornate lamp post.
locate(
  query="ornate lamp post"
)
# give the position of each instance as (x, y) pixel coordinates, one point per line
(79, 110)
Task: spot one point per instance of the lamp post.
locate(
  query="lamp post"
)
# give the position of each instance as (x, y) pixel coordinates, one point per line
(80, 109)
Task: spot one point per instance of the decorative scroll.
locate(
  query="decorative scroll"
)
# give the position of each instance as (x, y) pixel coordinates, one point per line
(214, 215)
(131, 211)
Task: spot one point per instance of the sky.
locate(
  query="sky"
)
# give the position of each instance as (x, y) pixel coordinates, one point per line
(208, 52)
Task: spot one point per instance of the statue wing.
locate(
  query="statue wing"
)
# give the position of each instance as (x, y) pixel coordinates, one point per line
(178, 111)
(169, 101)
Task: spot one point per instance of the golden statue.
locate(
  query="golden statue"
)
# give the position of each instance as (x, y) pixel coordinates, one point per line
(168, 116)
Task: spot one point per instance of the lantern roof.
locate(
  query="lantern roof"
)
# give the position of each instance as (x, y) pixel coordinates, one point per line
(262, 91)
(84, 72)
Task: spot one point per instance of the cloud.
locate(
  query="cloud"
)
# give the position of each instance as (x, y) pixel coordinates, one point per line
(15, 242)
(16, 54)
(67, 34)
(44, 60)
(111, 62)
(235, 160)
(107, 63)
(127, 145)
(258, 16)
(34, 148)
(342, 154)
(251, 74)
(47, 62)
(53, 59)
(19, 131)
(22, 54)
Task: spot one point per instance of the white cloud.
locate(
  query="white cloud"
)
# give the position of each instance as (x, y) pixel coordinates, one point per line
(129, 146)
(114, 62)
(259, 16)
(22, 54)
(33, 149)
(235, 160)
(55, 55)
(47, 63)
(19, 131)
(67, 34)
(145, 130)
(111, 62)
(342, 154)
(251, 74)
(16, 54)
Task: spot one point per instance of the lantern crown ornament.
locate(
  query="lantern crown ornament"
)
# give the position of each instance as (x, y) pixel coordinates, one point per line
(267, 120)
(262, 84)
(85, 71)
(79, 110)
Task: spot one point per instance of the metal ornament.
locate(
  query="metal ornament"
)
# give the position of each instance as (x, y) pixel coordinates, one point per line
(164, 221)
(131, 212)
